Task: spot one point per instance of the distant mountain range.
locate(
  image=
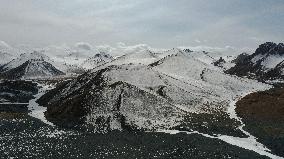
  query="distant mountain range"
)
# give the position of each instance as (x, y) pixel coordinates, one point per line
(267, 63)
(38, 65)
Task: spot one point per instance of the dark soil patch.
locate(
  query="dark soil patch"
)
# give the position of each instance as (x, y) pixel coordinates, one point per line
(17, 91)
(263, 114)
(14, 108)
(212, 124)
(30, 138)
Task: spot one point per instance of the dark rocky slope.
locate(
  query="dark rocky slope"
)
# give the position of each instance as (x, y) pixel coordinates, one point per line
(15, 95)
(17, 91)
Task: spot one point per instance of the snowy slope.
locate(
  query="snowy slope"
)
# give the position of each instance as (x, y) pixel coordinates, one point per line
(183, 67)
(206, 57)
(96, 60)
(142, 57)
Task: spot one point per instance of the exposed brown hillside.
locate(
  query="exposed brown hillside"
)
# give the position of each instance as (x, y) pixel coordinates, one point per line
(263, 105)
(263, 115)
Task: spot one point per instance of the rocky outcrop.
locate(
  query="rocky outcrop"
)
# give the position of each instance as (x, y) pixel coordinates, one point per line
(265, 64)
(219, 62)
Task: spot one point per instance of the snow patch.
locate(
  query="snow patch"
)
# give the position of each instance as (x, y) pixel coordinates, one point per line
(272, 61)
(36, 110)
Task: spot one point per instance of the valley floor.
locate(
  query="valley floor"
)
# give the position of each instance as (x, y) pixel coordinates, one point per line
(23, 136)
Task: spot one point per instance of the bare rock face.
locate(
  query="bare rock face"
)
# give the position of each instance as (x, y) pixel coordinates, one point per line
(240, 58)
(265, 64)
(219, 62)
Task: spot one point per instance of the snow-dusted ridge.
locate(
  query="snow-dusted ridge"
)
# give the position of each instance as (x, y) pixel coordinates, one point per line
(96, 60)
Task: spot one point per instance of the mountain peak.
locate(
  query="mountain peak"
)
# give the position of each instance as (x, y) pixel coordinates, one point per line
(270, 48)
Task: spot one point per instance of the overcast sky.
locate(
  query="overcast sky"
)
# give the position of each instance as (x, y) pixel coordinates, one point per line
(159, 23)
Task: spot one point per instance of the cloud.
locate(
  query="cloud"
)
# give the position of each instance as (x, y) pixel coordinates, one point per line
(4, 45)
(84, 46)
(121, 48)
(227, 50)
(85, 49)
(197, 41)
(160, 23)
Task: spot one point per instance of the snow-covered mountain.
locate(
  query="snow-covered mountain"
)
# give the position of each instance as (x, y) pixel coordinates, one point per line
(265, 64)
(145, 96)
(67, 60)
(29, 65)
(24, 58)
(32, 69)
